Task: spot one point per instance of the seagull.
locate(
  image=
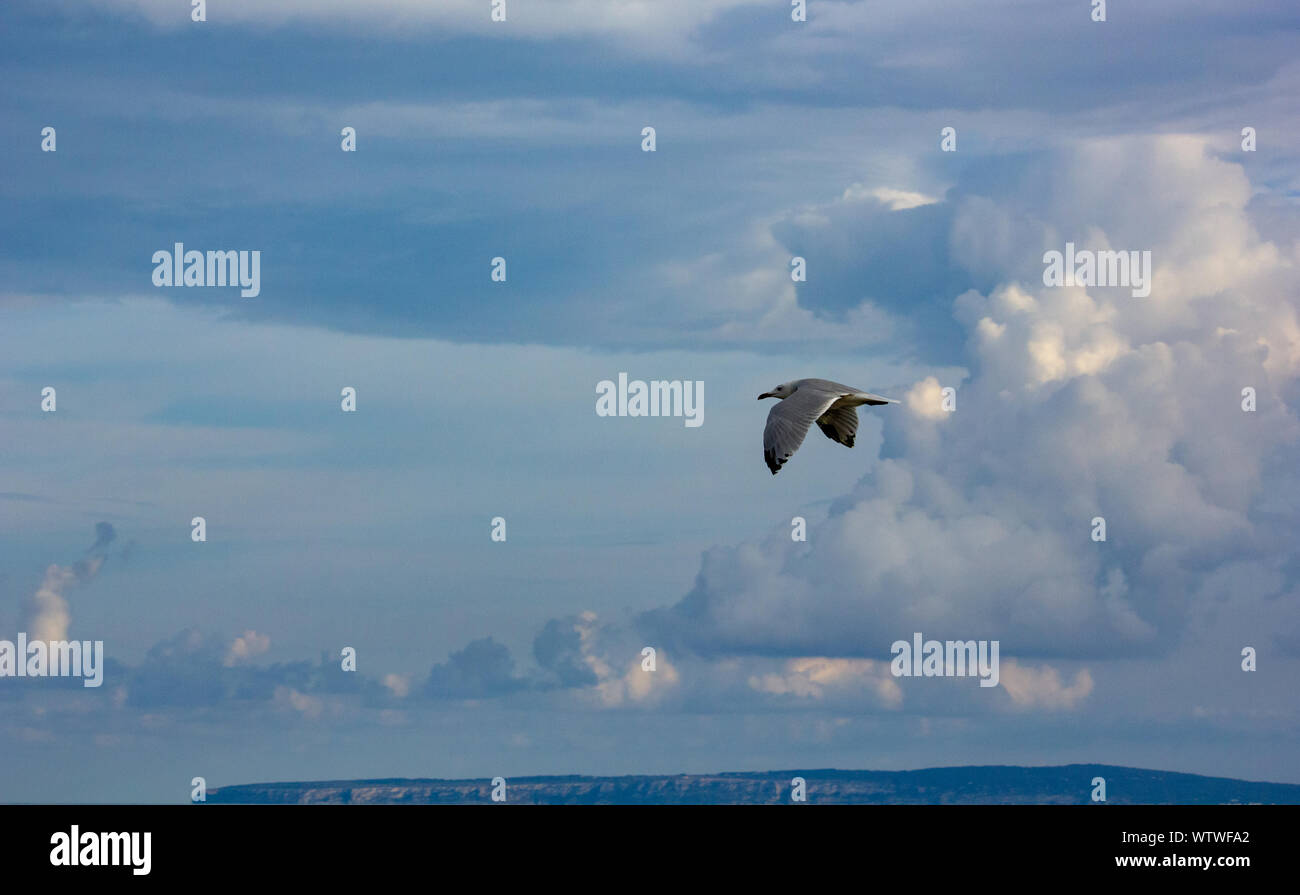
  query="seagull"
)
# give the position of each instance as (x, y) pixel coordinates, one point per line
(804, 401)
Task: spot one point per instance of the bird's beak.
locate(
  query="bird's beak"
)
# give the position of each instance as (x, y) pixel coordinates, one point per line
(766, 395)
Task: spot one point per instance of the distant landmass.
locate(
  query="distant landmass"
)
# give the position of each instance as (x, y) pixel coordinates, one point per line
(991, 785)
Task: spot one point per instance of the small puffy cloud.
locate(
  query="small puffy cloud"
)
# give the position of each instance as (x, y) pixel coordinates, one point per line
(558, 648)
(632, 684)
(604, 663)
(305, 704)
(1041, 687)
(925, 399)
(811, 678)
(617, 663)
(47, 613)
(483, 669)
(398, 684)
(893, 199)
(246, 646)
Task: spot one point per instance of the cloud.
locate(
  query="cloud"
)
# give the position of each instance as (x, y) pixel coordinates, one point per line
(194, 669)
(894, 200)
(661, 24)
(604, 663)
(483, 669)
(925, 399)
(105, 534)
(1080, 403)
(306, 704)
(46, 615)
(245, 647)
(1042, 688)
(182, 670)
(631, 683)
(558, 648)
(398, 684)
(975, 524)
(879, 263)
(812, 677)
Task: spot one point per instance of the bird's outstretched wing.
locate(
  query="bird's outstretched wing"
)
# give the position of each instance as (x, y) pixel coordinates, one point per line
(840, 424)
(868, 398)
(788, 422)
(825, 385)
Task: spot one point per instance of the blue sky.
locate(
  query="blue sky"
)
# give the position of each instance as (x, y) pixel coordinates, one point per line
(522, 139)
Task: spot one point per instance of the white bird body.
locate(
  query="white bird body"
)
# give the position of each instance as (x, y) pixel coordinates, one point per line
(805, 401)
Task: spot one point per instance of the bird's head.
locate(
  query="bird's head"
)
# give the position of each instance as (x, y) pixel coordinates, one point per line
(784, 390)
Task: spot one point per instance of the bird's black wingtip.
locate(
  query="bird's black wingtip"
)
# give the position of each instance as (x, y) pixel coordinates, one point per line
(769, 457)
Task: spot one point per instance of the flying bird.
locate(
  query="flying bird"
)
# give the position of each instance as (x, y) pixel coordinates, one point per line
(803, 402)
